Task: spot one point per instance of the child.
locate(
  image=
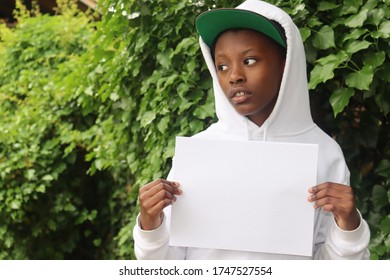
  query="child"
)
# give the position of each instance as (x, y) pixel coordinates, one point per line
(257, 61)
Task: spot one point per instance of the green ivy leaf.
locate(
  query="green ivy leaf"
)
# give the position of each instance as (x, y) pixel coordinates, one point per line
(9, 241)
(374, 59)
(355, 34)
(325, 6)
(147, 118)
(382, 99)
(305, 33)
(356, 46)
(114, 96)
(361, 79)
(340, 99)
(98, 164)
(48, 177)
(15, 204)
(142, 39)
(89, 91)
(324, 69)
(30, 174)
(201, 113)
(185, 44)
(196, 125)
(69, 207)
(385, 225)
(370, 4)
(97, 242)
(351, 6)
(376, 16)
(41, 188)
(313, 22)
(163, 124)
(324, 39)
(191, 65)
(335, 59)
(319, 74)
(379, 197)
(384, 168)
(164, 59)
(384, 29)
(357, 20)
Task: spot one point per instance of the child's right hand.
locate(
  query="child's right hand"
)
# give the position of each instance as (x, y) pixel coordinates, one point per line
(154, 197)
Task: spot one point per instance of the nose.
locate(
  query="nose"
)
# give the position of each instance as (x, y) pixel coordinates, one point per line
(236, 76)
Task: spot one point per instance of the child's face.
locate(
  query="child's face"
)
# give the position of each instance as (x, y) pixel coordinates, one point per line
(249, 67)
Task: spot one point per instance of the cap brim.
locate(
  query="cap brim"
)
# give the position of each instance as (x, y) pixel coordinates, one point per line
(212, 23)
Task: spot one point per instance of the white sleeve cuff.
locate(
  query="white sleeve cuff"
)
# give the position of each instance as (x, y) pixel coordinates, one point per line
(158, 235)
(351, 235)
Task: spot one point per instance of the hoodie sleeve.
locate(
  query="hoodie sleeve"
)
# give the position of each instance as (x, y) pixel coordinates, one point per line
(343, 245)
(154, 244)
(331, 242)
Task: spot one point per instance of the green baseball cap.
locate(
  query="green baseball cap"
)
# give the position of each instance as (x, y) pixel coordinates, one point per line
(212, 23)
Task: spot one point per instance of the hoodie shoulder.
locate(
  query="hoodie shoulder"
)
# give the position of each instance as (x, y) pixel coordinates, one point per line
(331, 162)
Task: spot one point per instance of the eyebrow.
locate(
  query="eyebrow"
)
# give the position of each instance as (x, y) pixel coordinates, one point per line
(216, 55)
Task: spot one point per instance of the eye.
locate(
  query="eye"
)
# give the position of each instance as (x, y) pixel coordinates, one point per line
(222, 67)
(250, 61)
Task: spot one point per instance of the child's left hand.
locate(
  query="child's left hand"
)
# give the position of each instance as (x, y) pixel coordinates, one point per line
(338, 199)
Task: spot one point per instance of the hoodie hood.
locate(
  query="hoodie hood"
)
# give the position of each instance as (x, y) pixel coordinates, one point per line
(291, 114)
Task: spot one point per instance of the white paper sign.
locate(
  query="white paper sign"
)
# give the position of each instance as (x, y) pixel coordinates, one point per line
(244, 195)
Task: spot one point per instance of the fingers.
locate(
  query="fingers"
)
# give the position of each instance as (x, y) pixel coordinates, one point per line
(153, 202)
(332, 186)
(157, 191)
(154, 197)
(338, 199)
(159, 184)
(330, 193)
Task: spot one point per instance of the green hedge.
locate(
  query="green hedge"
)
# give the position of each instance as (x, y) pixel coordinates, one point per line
(89, 110)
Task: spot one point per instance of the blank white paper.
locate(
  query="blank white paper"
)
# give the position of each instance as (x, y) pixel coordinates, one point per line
(244, 195)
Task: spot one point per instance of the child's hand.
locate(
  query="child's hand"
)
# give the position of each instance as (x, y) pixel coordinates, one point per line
(338, 199)
(154, 197)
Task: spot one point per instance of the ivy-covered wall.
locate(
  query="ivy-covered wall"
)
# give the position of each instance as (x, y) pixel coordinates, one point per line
(90, 106)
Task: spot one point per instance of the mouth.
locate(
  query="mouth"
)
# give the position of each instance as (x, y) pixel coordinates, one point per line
(239, 96)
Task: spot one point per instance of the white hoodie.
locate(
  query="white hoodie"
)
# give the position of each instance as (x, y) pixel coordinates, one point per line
(290, 121)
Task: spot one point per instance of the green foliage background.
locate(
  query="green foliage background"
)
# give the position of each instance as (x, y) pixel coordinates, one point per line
(89, 110)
